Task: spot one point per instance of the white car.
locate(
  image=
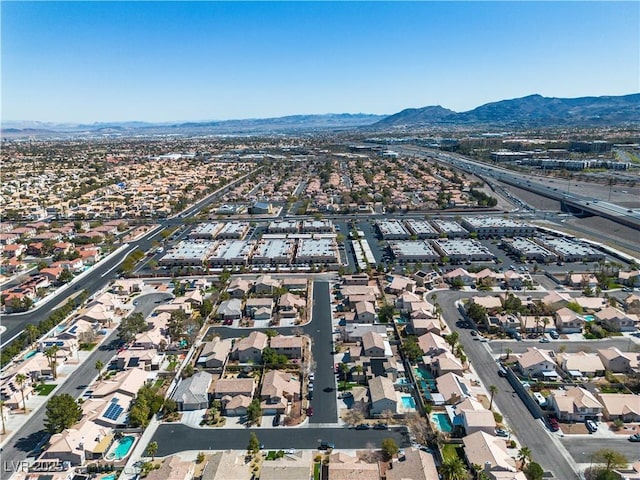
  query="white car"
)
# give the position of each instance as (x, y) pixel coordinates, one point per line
(312, 377)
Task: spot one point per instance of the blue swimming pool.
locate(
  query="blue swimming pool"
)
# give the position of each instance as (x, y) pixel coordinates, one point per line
(408, 401)
(120, 448)
(441, 421)
(588, 318)
(30, 354)
(113, 476)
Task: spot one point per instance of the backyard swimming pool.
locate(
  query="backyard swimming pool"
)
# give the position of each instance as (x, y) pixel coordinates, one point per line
(120, 448)
(588, 318)
(30, 354)
(408, 401)
(442, 422)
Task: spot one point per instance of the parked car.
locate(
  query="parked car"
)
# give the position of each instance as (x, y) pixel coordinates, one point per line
(326, 446)
(473, 333)
(634, 438)
(381, 426)
(502, 372)
(591, 426)
(310, 411)
(312, 377)
(554, 426)
(501, 432)
(363, 426)
(544, 339)
(276, 420)
(553, 334)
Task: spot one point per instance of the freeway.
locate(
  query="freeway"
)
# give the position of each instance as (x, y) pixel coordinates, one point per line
(623, 215)
(529, 432)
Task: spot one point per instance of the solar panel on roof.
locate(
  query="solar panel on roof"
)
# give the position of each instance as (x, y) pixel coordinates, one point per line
(114, 400)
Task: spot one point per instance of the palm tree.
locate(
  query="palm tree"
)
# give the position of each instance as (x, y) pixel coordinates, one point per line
(21, 379)
(453, 468)
(508, 351)
(493, 389)
(545, 322)
(4, 430)
(152, 449)
(51, 354)
(524, 455)
(99, 367)
(32, 333)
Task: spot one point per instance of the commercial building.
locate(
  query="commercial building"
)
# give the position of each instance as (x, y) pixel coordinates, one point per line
(462, 249)
(231, 252)
(413, 251)
(317, 226)
(450, 228)
(528, 249)
(188, 253)
(317, 250)
(392, 230)
(572, 250)
(497, 226)
(233, 230)
(284, 226)
(205, 231)
(273, 250)
(421, 228)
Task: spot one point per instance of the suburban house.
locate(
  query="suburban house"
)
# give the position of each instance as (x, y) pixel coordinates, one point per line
(235, 406)
(127, 382)
(630, 279)
(568, 321)
(453, 388)
(474, 417)
(192, 393)
(345, 467)
(445, 362)
(85, 441)
(289, 345)
(174, 468)
(145, 358)
(230, 309)
(482, 448)
(214, 354)
(616, 320)
(249, 349)
(278, 389)
(619, 362)
(400, 284)
(265, 284)
(461, 276)
(432, 344)
(536, 362)
(259, 308)
(581, 364)
(416, 465)
(620, 405)
(365, 312)
(575, 404)
(383, 395)
(239, 288)
(373, 345)
(291, 466)
(289, 305)
(233, 387)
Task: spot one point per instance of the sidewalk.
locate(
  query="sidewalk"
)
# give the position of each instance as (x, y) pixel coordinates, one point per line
(130, 471)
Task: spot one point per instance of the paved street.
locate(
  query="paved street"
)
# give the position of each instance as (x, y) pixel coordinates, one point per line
(530, 432)
(271, 438)
(583, 447)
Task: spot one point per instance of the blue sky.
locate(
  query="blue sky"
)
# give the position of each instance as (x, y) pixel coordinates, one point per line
(164, 61)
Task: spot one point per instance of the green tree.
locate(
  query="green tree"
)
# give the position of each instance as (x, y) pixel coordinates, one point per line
(131, 326)
(534, 471)
(254, 443)
(65, 276)
(411, 349)
(389, 448)
(453, 468)
(611, 459)
(524, 455)
(21, 379)
(52, 359)
(62, 412)
(254, 412)
(492, 389)
(152, 449)
(32, 333)
(99, 367)
(452, 339)
(272, 358)
(385, 314)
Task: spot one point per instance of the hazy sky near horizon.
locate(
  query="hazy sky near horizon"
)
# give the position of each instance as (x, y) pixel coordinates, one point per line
(176, 61)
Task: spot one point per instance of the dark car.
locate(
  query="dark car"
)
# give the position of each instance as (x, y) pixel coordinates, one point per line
(326, 446)
(363, 426)
(328, 389)
(276, 420)
(634, 438)
(381, 426)
(310, 411)
(473, 333)
(554, 426)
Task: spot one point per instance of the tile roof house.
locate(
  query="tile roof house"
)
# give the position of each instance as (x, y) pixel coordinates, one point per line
(575, 404)
(461, 275)
(445, 362)
(235, 406)
(482, 448)
(266, 284)
(383, 395)
(588, 364)
(416, 465)
(127, 382)
(620, 405)
(192, 393)
(249, 349)
(568, 321)
(476, 419)
(453, 387)
(84, 441)
(536, 361)
(293, 466)
(289, 345)
(233, 387)
(365, 312)
(433, 344)
(616, 320)
(278, 389)
(345, 467)
(174, 468)
(214, 354)
(259, 308)
(618, 361)
(227, 465)
(239, 287)
(289, 305)
(421, 326)
(373, 345)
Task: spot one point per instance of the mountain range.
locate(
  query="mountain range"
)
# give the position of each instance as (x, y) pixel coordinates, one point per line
(529, 111)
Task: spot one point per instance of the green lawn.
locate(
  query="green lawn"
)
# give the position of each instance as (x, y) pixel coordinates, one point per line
(87, 346)
(316, 471)
(450, 450)
(45, 389)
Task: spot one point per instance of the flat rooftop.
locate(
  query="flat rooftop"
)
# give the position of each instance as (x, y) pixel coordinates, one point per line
(411, 248)
(450, 226)
(462, 246)
(419, 226)
(391, 227)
